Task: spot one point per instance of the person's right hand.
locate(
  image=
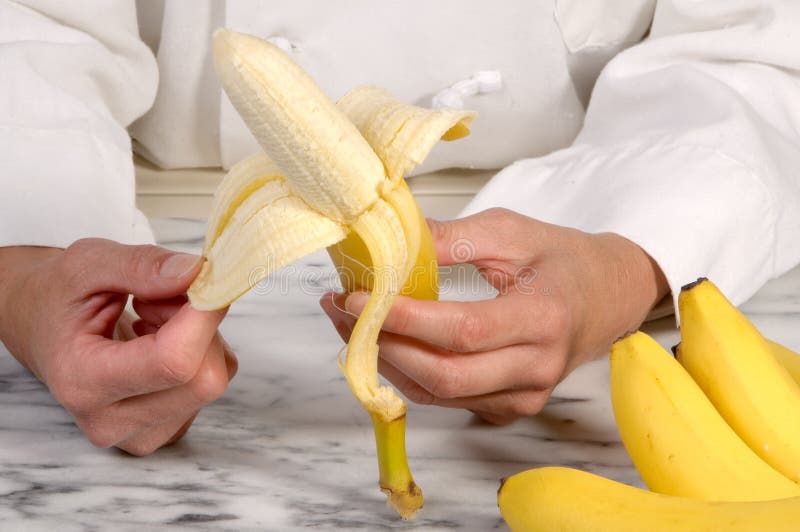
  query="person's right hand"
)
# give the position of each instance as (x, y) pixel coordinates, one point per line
(136, 385)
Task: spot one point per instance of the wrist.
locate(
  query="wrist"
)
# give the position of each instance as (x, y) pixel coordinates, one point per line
(16, 265)
(621, 283)
(638, 284)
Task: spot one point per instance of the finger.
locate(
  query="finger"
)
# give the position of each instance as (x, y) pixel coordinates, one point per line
(461, 326)
(452, 375)
(342, 322)
(147, 441)
(162, 413)
(170, 357)
(150, 440)
(231, 361)
(490, 234)
(159, 311)
(95, 265)
(499, 408)
(181, 432)
(494, 419)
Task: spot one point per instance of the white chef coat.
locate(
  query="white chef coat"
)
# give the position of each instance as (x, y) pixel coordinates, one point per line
(675, 123)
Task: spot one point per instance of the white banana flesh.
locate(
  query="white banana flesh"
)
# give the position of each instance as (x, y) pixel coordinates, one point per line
(317, 148)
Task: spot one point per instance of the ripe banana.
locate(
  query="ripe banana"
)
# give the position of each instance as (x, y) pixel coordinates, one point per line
(787, 358)
(331, 176)
(735, 366)
(677, 440)
(557, 498)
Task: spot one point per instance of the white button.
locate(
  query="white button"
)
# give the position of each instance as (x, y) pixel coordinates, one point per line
(481, 82)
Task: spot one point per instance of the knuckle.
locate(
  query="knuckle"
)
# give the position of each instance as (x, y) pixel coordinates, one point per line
(209, 385)
(63, 387)
(556, 321)
(139, 448)
(496, 214)
(527, 404)
(544, 370)
(469, 332)
(144, 263)
(402, 316)
(100, 434)
(552, 373)
(179, 367)
(499, 218)
(80, 247)
(74, 260)
(448, 380)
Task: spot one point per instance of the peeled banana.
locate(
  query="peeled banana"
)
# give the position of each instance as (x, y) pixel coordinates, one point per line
(331, 176)
(557, 498)
(677, 440)
(736, 368)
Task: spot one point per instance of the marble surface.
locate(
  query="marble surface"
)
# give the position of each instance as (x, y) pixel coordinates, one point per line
(288, 447)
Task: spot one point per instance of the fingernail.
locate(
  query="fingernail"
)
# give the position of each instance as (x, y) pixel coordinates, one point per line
(326, 302)
(179, 265)
(355, 302)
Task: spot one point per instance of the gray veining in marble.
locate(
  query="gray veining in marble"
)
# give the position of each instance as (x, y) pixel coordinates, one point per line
(288, 447)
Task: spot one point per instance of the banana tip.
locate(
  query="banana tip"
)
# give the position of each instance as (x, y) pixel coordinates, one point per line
(221, 33)
(500, 487)
(693, 284)
(625, 335)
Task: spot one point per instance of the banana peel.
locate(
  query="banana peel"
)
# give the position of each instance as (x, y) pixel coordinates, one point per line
(737, 369)
(560, 498)
(675, 437)
(329, 177)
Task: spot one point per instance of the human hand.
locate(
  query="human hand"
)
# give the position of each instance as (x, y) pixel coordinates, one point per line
(564, 297)
(136, 385)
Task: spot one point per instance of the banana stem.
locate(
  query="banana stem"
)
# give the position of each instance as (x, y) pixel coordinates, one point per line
(395, 476)
(390, 261)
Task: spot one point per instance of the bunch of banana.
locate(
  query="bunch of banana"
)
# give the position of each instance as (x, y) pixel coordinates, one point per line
(678, 441)
(737, 369)
(714, 434)
(331, 176)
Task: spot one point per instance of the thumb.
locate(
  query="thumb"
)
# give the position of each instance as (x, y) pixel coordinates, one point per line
(462, 240)
(148, 272)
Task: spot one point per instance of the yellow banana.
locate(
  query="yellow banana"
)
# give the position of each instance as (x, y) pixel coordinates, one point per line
(736, 368)
(558, 498)
(331, 176)
(787, 358)
(677, 440)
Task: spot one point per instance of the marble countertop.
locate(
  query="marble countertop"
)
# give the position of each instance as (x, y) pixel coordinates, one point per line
(288, 447)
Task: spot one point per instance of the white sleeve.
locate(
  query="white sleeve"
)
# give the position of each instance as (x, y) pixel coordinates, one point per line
(74, 75)
(690, 147)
